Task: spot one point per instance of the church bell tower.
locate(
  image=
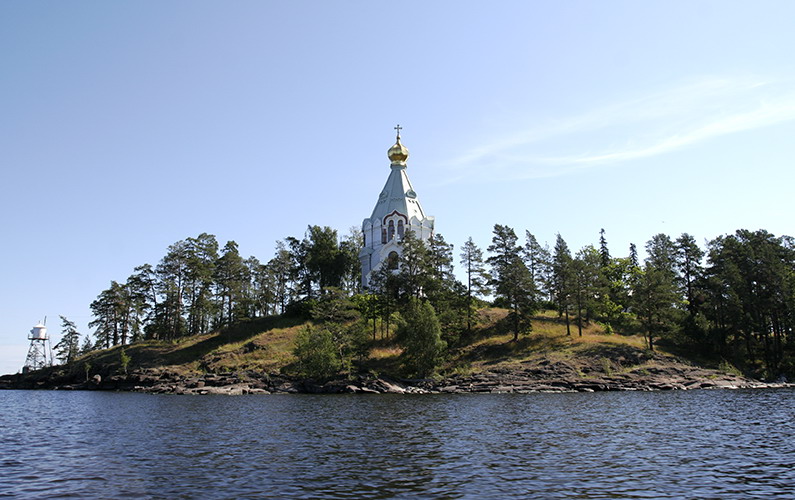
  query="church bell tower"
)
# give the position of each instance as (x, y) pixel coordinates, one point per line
(398, 210)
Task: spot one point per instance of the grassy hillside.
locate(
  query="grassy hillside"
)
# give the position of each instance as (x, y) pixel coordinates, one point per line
(266, 345)
(488, 347)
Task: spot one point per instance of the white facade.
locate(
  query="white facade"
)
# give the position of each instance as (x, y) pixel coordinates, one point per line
(398, 210)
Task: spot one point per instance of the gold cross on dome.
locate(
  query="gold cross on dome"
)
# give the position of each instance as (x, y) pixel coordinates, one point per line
(398, 128)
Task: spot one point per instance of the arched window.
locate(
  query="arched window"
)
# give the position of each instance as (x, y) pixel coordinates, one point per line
(400, 229)
(383, 235)
(392, 260)
(364, 240)
(391, 230)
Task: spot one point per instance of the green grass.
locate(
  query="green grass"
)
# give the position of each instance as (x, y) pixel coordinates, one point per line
(266, 344)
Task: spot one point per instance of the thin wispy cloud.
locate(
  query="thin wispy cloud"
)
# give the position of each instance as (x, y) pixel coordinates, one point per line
(641, 127)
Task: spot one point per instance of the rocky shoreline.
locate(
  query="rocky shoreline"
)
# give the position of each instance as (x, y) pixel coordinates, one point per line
(544, 375)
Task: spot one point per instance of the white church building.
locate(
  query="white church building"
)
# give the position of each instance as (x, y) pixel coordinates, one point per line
(398, 210)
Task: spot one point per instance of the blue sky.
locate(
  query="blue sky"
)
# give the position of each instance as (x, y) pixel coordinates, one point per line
(126, 126)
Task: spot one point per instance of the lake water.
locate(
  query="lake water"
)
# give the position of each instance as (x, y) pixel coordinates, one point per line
(692, 444)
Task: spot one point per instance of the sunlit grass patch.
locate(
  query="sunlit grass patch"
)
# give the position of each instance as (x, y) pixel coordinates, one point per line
(383, 352)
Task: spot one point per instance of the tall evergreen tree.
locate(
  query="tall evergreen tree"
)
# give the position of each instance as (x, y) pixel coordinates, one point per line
(263, 288)
(511, 279)
(143, 287)
(604, 253)
(385, 284)
(752, 294)
(68, 348)
(300, 275)
(324, 260)
(561, 279)
(477, 277)
(655, 298)
(688, 263)
(231, 278)
(413, 266)
(440, 261)
(172, 276)
(661, 252)
(656, 294)
(201, 258)
(633, 255)
(538, 261)
(280, 270)
(111, 311)
(350, 246)
(86, 347)
(585, 282)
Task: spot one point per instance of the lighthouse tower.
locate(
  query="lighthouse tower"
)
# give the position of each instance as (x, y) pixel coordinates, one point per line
(398, 210)
(40, 351)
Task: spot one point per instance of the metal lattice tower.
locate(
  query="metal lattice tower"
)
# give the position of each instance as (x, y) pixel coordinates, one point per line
(40, 351)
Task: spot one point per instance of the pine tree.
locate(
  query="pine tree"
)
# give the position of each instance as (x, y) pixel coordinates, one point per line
(300, 276)
(633, 255)
(477, 278)
(143, 286)
(604, 253)
(688, 263)
(413, 266)
(655, 298)
(201, 259)
(538, 262)
(324, 260)
(511, 279)
(439, 266)
(350, 247)
(68, 348)
(561, 279)
(86, 347)
(655, 292)
(279, 268)
(231, 279)
(111, 311)
(385, 285)
(172, 276)
(262, 293)
(584, 282)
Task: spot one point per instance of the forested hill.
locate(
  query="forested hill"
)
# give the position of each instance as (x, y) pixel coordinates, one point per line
(263, 355)
(733, 300)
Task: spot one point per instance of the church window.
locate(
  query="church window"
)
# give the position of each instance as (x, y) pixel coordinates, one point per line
(392, 260)
(364, 240)
(400, 229)
(383, 235)
(391, 230)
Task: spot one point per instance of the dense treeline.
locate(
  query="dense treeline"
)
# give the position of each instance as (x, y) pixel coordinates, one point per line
(733, 300)
(197, 287)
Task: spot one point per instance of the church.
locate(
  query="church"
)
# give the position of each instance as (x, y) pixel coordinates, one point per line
(398, 210)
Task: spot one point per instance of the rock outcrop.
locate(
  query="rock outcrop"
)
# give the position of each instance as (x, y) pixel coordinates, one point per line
(598, 368)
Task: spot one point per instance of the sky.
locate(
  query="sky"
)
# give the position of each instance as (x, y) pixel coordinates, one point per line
(127, 126)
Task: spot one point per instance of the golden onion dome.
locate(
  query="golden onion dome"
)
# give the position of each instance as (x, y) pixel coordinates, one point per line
(398, 153)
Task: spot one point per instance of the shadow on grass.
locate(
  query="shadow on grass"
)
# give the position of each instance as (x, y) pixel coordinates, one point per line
(493, 353)
(238, 332)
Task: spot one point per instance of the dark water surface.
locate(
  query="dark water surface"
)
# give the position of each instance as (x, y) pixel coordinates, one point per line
(694, 444)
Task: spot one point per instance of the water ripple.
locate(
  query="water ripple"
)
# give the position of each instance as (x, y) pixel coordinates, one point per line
(695, 444)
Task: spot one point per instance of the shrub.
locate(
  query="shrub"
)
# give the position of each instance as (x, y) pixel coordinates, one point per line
(124, 360)
(316, 353)
(419, 334)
